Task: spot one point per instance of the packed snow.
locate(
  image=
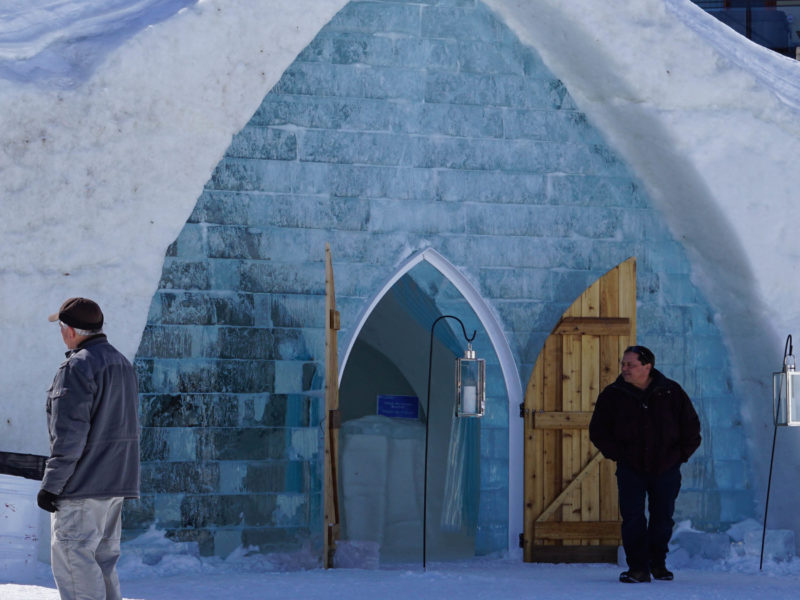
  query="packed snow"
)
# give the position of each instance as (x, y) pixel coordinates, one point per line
(99, 105)
(60, 43)
(161, 570)
(98, 178)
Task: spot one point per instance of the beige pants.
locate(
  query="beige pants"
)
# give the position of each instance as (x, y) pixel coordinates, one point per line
(84, 548)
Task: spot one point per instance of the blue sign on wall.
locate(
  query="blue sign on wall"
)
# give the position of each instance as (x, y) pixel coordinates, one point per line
(398, 407)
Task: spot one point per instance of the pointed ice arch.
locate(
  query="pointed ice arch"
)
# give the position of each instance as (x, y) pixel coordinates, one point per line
(505, 357)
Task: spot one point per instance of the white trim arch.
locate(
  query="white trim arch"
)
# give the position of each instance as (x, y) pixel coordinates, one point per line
(507, 364)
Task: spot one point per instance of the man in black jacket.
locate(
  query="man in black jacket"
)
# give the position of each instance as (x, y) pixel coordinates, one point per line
(647, 424)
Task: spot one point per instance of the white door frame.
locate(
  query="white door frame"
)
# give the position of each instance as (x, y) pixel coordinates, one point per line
(507, 365)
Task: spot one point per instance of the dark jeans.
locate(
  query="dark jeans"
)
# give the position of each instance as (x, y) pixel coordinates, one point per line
(646, 543)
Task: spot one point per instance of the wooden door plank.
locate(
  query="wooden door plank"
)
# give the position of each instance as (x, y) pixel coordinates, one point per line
(577, 530)
(609, 369)
(552, 401)
(571, 373)
(590, 301)
(590, 487)
(539, 474)
(609, 345)
(561, 420)
(609, 294)
(593, 326)
(570, 438)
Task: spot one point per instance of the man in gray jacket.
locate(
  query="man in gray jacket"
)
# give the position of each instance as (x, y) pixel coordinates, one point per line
(92, 417)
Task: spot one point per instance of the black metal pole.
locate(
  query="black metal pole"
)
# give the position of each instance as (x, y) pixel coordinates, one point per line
(788, 346)
(427, 434)
(769, 484)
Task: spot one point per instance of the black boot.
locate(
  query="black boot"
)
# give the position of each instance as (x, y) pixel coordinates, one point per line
(634, 576)
(661, 573)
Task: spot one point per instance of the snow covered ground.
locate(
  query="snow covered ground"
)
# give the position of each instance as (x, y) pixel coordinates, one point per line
(155, 568)
(477, 579)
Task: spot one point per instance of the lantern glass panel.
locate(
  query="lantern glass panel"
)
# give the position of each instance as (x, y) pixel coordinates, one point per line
(793, 397)
(786, 397)
(470, 387)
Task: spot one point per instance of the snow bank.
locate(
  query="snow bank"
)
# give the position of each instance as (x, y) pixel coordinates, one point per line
(98, 180)
(61, 43)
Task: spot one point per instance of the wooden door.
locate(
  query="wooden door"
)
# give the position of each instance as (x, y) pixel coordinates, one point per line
(571, 508)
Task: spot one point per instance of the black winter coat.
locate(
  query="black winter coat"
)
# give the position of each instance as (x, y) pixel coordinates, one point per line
(648, 430)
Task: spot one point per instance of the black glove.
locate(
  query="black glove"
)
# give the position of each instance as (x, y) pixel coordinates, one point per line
(47, 500)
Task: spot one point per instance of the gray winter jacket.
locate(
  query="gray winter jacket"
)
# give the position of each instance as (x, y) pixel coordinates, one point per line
(92, 416)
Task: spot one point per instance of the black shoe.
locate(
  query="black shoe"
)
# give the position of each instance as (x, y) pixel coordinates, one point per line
(661, 573)
(632, 576)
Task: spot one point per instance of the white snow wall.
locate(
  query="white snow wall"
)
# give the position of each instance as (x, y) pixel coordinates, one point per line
(97, 181)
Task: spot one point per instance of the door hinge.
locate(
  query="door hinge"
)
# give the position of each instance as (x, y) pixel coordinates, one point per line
(334, 320)
(521, 410)
(521, 540)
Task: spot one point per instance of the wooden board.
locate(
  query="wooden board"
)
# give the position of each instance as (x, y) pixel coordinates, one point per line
(593, 326)
(578, 530)
(332, 421)
(561, 420)
(571, 505)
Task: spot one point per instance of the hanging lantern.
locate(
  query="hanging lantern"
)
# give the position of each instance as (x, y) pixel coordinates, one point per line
(785, 411)
(470, 402)
(470, 385)
(786, 394)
